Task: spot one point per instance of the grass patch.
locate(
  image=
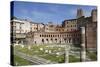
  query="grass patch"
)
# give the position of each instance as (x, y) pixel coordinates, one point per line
(92, 55)
(55, 58)
(18, 61)
(73, 59)
(35, 50)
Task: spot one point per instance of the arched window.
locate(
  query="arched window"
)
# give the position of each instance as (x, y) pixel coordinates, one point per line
(35, 42)
(49, 35)
(42, 40)
(65, 40)
(60, 41)
(40, 35)
(53, 35)
(58, 35)
(44, 35)
(56, 40)
(67, 35)
(46, 39)
(71, 25)
(69, 40)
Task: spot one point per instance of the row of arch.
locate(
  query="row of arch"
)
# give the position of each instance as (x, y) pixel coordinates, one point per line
(61, 40)
(59, 35)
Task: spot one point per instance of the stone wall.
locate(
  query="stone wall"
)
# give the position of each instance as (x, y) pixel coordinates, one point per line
(55, 37)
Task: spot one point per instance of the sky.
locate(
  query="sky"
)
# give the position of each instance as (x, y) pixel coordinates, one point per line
(48, 12)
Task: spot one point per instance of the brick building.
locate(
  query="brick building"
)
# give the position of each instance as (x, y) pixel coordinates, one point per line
(90, 24)
(68, 32)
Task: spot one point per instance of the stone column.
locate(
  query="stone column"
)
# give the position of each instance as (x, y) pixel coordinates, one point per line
(67, 40)
(67, 54)
(71, 41)
(83, 45)
(21, 41)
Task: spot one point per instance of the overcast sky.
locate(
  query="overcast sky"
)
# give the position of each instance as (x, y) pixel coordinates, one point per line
(44, 12)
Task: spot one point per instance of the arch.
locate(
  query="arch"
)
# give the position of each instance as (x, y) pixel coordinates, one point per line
(65, 40)
(56, 40)
(69, 40)
(35, 42)
(47, 40)
(60, 41)
(42, 40)
(40, 35)
(51, 35)
(51, 39)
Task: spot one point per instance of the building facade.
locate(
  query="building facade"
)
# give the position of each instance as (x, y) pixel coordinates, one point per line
(54, 37)
(70, 25)
(69, 32)
(90, 25)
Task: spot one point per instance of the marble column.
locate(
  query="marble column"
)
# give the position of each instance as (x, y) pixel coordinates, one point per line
(83, 48)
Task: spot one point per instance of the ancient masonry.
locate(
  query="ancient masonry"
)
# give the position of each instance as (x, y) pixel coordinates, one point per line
(69, 32)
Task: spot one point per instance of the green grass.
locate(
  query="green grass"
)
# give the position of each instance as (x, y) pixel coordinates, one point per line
(92, 55)
(73, 59)
(20, 61)
(35, 50)
(55, 58)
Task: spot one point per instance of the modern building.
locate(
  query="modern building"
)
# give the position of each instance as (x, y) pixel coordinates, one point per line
(16, 30)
